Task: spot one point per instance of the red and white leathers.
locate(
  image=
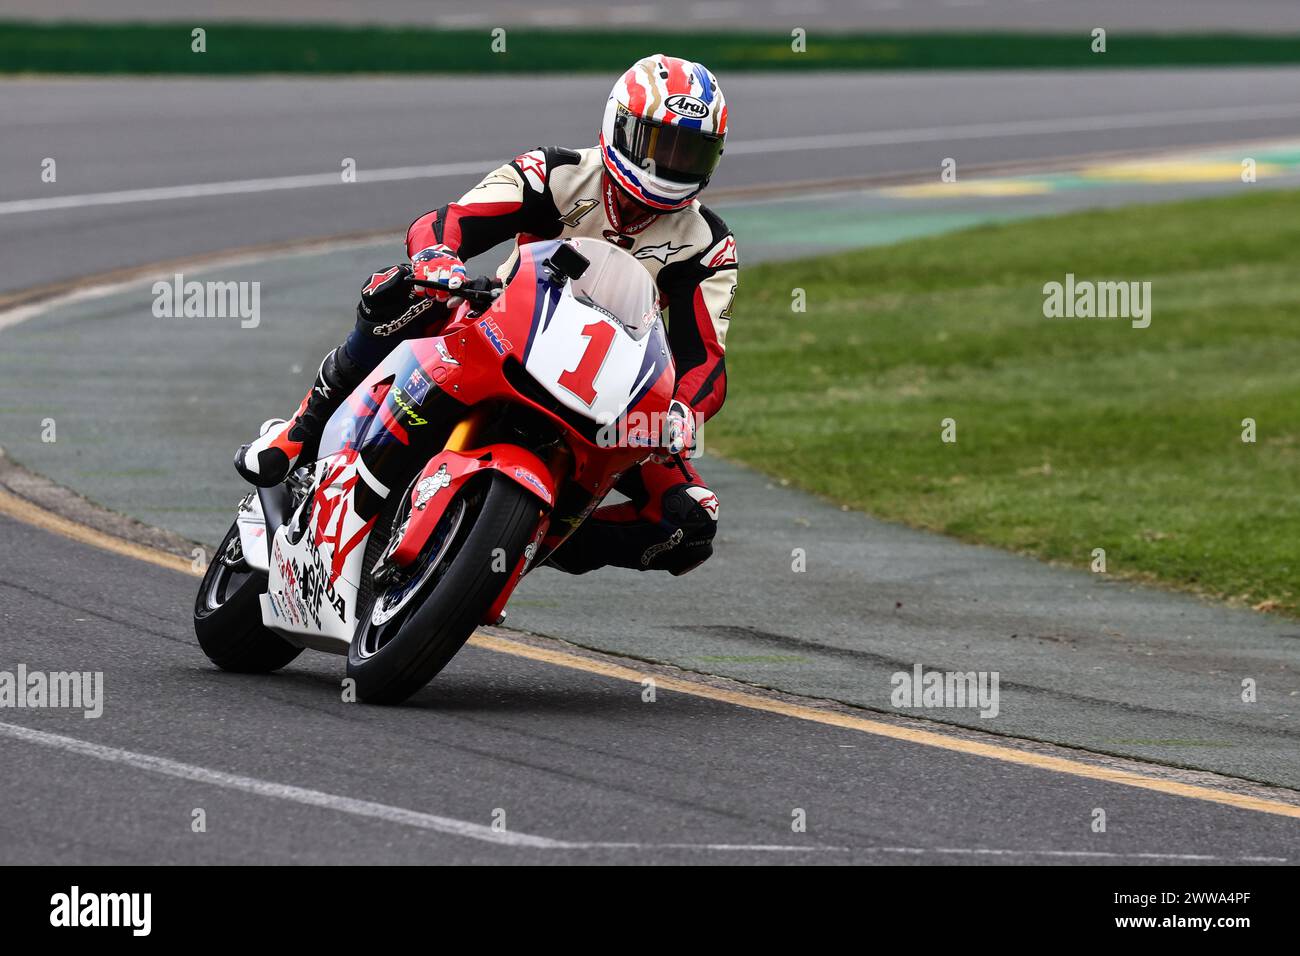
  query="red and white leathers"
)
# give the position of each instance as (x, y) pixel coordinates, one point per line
(552, 192)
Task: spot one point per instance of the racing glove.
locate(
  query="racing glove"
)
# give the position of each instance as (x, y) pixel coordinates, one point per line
(678, 433)
(439, 264)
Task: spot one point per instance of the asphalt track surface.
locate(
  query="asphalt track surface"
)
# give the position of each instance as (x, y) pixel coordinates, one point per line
(1239, 16)
(578, 762)
(583, 768)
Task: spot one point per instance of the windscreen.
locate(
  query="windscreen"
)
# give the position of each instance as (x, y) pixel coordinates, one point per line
(617, 285)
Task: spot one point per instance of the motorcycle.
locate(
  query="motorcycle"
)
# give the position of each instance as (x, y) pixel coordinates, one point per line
(459, 464)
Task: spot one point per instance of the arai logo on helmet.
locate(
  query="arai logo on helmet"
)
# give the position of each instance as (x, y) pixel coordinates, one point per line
(683, 104)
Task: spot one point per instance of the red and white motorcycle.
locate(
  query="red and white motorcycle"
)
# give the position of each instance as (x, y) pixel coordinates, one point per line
(461, 462)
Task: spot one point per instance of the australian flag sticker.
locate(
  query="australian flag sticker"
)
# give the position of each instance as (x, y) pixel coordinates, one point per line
(417, 386)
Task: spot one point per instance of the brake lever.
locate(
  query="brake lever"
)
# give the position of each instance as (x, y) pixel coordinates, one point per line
(467, 291)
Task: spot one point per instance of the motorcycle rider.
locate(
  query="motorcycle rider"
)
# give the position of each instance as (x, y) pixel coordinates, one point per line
(664, 129)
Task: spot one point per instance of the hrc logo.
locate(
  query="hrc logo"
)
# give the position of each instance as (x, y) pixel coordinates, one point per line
(493, 333)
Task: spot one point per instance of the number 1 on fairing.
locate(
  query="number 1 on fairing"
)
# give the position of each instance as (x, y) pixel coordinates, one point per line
(581, 381)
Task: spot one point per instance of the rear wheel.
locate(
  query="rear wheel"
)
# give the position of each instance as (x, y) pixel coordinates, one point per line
(228, 615)
(413, 625)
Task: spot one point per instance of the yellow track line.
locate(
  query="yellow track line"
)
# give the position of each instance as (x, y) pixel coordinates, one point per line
(25, 511)
(880, 728)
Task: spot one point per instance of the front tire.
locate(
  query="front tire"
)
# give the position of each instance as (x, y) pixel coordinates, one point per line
(228, 615)
(486, 528)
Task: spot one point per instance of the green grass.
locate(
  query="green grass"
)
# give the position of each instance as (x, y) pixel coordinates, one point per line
(1071, 434)
(283, 48)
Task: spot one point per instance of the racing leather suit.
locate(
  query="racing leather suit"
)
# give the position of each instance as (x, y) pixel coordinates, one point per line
(551, 192)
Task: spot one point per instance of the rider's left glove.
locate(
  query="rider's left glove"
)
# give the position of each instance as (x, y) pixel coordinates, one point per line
(678, 433)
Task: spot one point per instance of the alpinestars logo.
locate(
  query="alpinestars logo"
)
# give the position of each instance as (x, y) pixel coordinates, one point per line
(705, 499)
(532, 165)
(663, 252)
(379, 278)
(388, 328)
(721, 255)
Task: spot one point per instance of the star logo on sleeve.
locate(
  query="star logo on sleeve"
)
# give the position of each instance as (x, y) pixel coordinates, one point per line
(722, 255)
(533, 166)
(663, 252)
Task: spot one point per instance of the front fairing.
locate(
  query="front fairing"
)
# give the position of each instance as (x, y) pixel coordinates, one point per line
(545, 325)
(402, 415)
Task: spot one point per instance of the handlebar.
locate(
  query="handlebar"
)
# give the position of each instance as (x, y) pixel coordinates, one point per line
(478, 291)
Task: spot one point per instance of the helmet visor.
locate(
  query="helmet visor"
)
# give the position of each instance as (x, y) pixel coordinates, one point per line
(678, 153)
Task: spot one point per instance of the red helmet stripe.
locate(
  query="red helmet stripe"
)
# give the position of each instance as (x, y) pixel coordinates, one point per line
(679, 80)
(635, 93)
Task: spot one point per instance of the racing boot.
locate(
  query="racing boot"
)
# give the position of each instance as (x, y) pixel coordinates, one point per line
(273, 456)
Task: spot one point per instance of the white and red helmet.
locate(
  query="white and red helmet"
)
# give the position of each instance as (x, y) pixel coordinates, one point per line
(664, 130)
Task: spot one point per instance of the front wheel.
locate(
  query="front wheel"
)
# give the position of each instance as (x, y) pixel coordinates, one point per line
(228, 615)
(416, 624)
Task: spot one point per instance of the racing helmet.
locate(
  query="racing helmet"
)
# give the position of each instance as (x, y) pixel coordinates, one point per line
(664, 130)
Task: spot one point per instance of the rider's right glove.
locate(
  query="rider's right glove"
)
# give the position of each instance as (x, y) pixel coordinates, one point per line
(439, 264)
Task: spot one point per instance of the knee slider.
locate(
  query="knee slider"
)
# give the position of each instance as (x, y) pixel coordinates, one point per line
(694, 509)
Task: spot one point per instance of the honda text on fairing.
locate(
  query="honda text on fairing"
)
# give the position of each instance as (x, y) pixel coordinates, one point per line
(460, 462)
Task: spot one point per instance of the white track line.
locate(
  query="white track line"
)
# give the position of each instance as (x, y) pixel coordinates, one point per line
(788, 144)
(277, 791)
(486, 834)
(1079, 124)
(328, 801)
(238, 186)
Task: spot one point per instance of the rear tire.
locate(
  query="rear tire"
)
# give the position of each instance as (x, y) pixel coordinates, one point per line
(228, 615)
(391, 661)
